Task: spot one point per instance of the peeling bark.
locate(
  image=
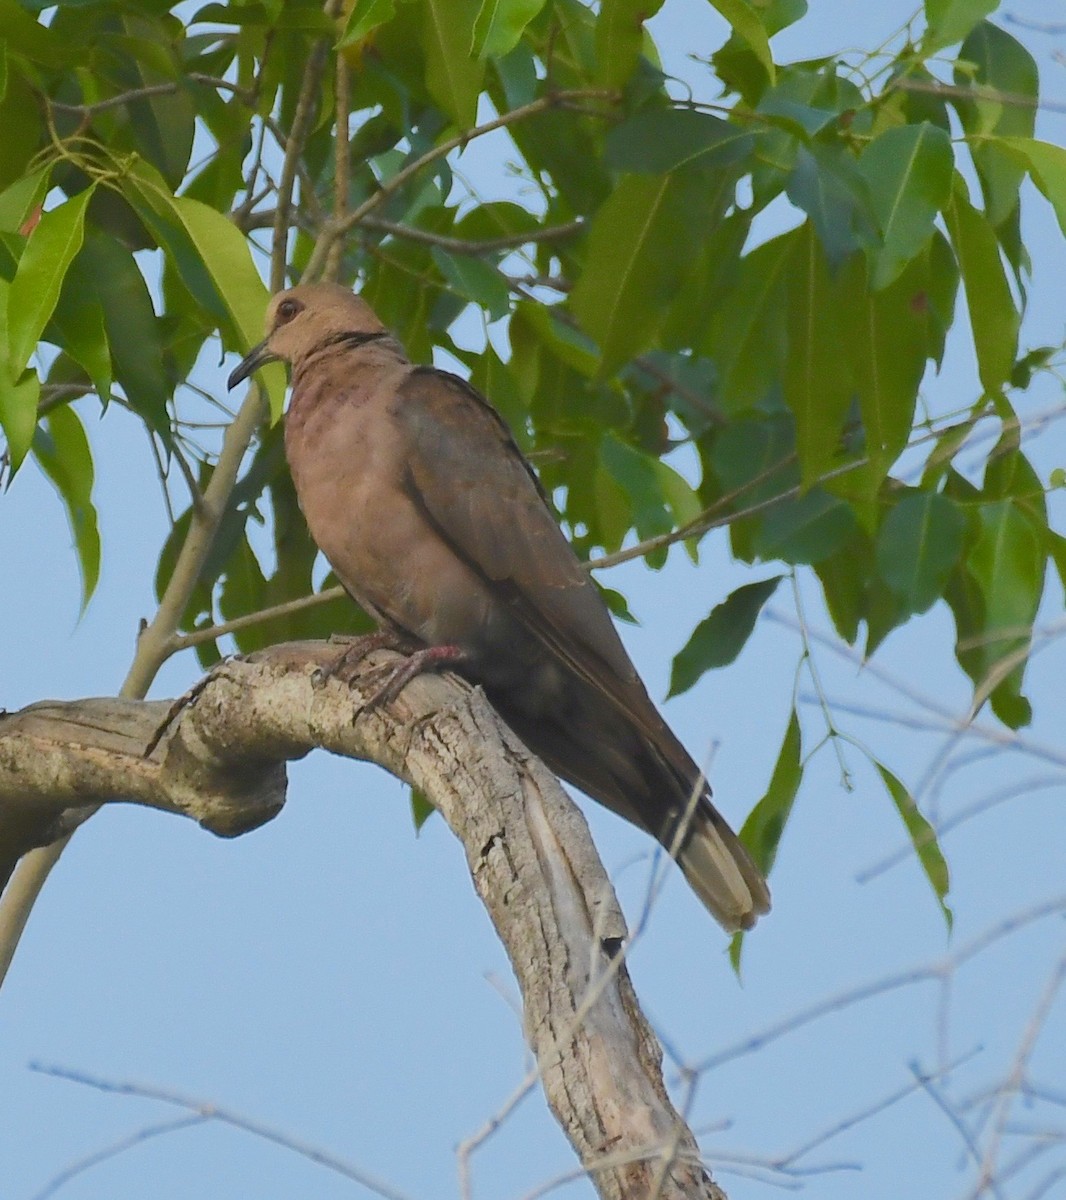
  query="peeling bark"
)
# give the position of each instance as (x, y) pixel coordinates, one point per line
(218, 755)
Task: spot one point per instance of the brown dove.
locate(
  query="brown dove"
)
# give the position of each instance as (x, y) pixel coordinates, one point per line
(415, 491)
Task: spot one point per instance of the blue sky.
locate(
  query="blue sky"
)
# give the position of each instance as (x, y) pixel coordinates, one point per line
(333, 976)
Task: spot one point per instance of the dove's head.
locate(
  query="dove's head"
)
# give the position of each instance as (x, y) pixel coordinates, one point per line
(307, 318)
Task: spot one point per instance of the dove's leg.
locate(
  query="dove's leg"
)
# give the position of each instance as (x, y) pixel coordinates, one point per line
(395, 677)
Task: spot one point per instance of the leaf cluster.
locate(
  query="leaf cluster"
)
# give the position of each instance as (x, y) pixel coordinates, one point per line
(672, 353)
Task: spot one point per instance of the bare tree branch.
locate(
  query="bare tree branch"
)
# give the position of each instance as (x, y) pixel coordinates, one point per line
(217, 755)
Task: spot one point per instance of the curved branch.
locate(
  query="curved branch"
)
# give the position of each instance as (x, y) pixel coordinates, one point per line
(217, 755)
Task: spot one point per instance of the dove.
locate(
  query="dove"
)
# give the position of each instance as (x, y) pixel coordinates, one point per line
(415, 491)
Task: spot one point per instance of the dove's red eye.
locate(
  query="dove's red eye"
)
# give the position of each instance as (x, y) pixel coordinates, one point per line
(288, 309)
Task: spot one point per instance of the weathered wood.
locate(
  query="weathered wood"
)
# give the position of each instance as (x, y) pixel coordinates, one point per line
(218, 754)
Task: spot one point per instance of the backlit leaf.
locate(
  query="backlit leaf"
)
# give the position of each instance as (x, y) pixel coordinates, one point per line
(62, 449)
(620, 36)
(818, 378)
(501, 23)
(35, 289)
(641, 245)
(908, 171)
(994, 316)
(763, 829)
(747, 25)
(923, 839)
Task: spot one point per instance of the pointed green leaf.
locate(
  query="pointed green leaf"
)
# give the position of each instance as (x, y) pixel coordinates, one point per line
(994, 317)
(364, 18)
(18, 413)
(748, 336)
(994, 62)
(453, 76)
(919, 543)
(826, 184)
(19, 200)
(747, 25)
(818, 378)
(620, 37)
(889, 345)
(923, 839)
(108, 271)
(500, 25)
(62, 449)
(1007, 563)
(908, 171)
(475, 280)
(422, 808)
(949, 21)
(642, 242)
(807, 529)
(655, 140)
(1047, 165)
(35, 289)
(763, 829)
(719, 638)
(77, 326)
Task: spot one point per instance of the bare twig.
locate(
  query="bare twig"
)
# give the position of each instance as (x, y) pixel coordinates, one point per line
(334, 230)
(203, 1110)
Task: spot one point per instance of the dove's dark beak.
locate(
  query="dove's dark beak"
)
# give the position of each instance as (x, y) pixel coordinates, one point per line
(257, 357)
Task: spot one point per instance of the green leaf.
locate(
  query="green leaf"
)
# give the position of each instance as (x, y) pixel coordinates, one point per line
(62, 449)
(77, 326)
(213, 259)
(949, 21)
(638, 476)
(748, 335)
(826, 184)
(1007, 563)
(996, 63)
(919, 543)
(807, 529)
(108, 271)
(1047, 165)
(21, 32)
(453, 77)
(763, 829)
(500, 25)
(422, 808)
(19, 200)
(923, 839)
(364, 18)
(719, 638)
(655, 140)
(908, 171)
(641, 245)
(620, 37)
(475, 280)
(890, 342)
(994, 318)
(35, 289)
(747, 25)
(18, 413)
(818, 379)
(224, 251)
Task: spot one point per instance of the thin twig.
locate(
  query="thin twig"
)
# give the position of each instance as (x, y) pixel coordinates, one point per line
(182, 641)
(333, 230)
(341, 163)
(888, 983)
(208, 1111)
(454, 245)
(115, 1149)
(301, 124)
